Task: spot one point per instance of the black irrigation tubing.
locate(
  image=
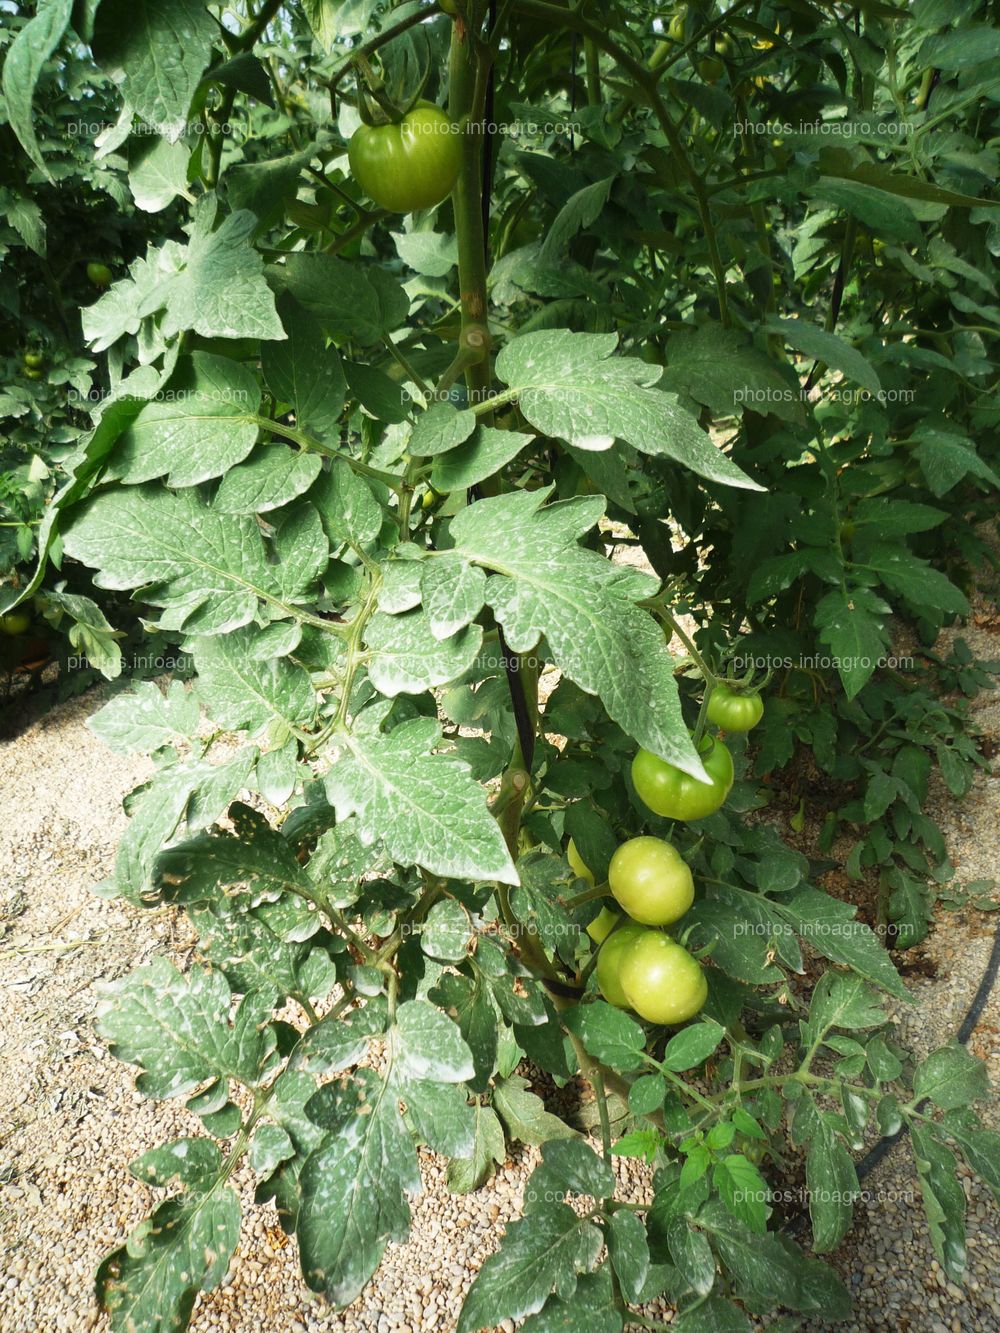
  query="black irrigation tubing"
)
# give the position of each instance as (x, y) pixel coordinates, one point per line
(884, 1147)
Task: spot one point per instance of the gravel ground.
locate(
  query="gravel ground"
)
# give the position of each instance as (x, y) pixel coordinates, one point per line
(70, 1119)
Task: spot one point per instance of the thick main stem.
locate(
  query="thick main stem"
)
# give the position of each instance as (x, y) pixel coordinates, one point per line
(469, 68)
(467, 99)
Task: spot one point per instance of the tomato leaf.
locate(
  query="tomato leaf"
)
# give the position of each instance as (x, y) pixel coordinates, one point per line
(423, 806)
(161, 47)
(547, 584)
(199, 1044)
(543, 1251)
(144, 718)
(182, 1249)
(353, 1186)
(25, 61)
(571, 386)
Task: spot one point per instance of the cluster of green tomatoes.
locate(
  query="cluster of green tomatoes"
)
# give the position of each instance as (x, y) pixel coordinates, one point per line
(640, 965)
(32, 363)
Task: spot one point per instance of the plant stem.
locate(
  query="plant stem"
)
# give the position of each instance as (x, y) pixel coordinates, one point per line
(468, 71)
(353, 651)
(373, 44)
(590, 895)
(405, 366)
(592, 65)
(602, 1111)
(313, 446)
(356, 229)
(680, 1085)
(246, 42)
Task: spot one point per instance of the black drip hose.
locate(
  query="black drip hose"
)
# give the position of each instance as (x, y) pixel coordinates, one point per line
(884, 1147)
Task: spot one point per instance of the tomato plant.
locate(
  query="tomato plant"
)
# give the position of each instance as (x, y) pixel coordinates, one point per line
(675, 794)
(651, 880)
(732, 711)
(410, 164)
(456, 519)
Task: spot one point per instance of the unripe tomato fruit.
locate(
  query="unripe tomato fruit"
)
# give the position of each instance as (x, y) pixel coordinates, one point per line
(651, 880)
(660, 980)
(602, 925)
(711, 69)
(675, 29)
(730, 711)
(674, 794)
(99, 274)
(609, 961)
(411, 165)
(14, 623)
(34, 359)
(577, 864)
(33, 373)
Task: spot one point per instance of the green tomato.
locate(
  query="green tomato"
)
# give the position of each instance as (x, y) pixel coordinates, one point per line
(577, 864)
(651, 880)
(674, 794)
(730, 711)
(33, 373)
(711, 69)
(602, 925)
(34, 359)
(660, 979)
(15, 623)
(609, 961)
(411, 165)
(675, 29)
(99, 274)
